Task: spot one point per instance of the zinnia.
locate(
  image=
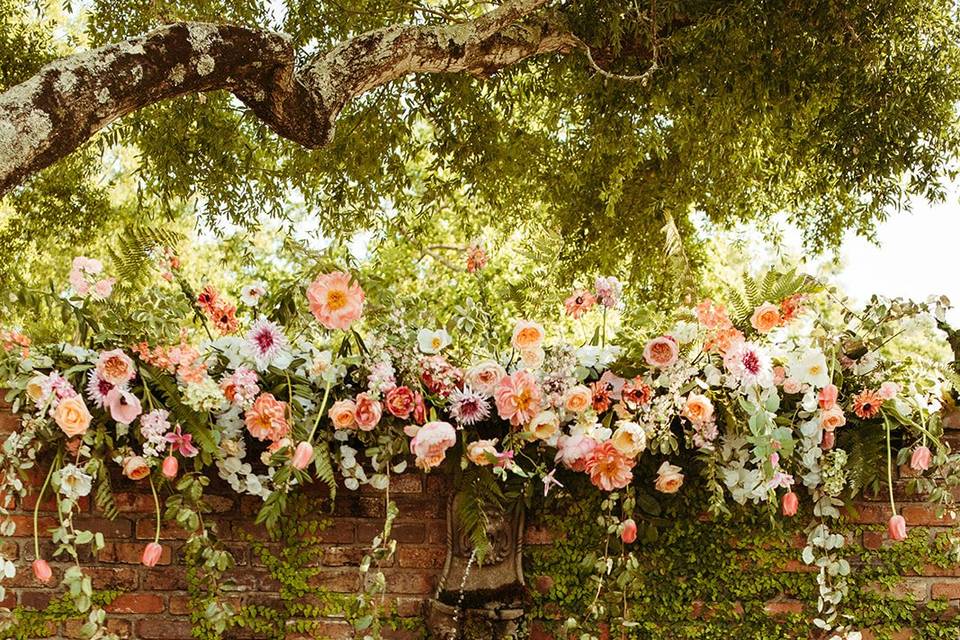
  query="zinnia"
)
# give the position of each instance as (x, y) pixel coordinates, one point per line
(661, 352)
(608, 468)
(430, 443)
(518, 398)
(866, 404)
(765, 317)
(335, 301)
(266, 419)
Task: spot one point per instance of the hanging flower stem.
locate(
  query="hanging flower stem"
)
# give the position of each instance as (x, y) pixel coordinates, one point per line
(36, 507)
(156, 506)
(893, 504)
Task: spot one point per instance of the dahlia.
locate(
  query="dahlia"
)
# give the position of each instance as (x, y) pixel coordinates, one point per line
(265, 341)
(468, 407)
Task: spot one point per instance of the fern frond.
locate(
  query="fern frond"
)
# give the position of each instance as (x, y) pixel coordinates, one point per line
(324, 466)
(103, 497)
(134, 247)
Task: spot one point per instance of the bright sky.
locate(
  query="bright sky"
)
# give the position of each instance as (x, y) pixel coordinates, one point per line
(917, 255)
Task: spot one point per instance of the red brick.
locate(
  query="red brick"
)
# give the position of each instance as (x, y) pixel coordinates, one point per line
(948, 590)
(410, 583)
(783, 607)
(343, 556)
(165, 579)
(122, 628)
(179, 605)
(129, 553)
(119, 528)
(421, 557)
(164, 629)
(924, 515)
(137, 603)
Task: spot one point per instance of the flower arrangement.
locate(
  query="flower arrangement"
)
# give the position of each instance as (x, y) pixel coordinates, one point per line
(763, 393)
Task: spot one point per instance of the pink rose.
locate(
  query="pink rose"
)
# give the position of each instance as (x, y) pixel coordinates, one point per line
(368, 412)
(115, 367)
(661, 352)
(574, 450)
(669, 478)
(400, 402)
(791, 385)
(483, 377)
(527, 335)
(430, 443)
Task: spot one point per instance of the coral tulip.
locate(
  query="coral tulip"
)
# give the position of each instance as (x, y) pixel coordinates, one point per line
(790, 503)
(170, 467)
(629, 533)
(151, 554)
(42, 570)
(920, 459)
(897, 528)
(302, 456)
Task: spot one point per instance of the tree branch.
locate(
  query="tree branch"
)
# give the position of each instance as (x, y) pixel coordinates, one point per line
(68, 101)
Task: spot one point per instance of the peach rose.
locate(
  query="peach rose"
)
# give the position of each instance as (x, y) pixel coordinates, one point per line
(765, 317)
(343, 414)
(578, 399)
(115, 367)
(544, 425)
(698, 409)
(661, 352)
(430, 443)
(135, 468)
(532, 358)
(527, 335)
(630, 439)
(832, 418)
(484, 376)
(669, 478)
(482, 452)
(72, 416)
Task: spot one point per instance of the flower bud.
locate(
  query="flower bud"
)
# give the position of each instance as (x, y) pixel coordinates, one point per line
(829, 439)
(897, 528)
(151, 554)
(629, 533)
(42, 570)
(790, 503)
(920, 459)
(302, 456)
(170, 467)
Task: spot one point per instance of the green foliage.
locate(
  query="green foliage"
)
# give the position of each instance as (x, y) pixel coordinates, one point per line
(479, 497)
(26, 623)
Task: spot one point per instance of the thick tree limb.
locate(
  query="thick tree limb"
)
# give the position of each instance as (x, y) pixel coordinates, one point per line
(68, 101)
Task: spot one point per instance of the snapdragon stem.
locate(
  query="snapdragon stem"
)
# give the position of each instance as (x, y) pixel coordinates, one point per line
(893, 504)
(156, 506)
(36, 507)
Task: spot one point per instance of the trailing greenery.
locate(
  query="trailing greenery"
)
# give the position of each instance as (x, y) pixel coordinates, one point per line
(27, 623)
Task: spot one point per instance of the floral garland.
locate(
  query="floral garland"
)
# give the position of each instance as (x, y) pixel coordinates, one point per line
(763, 395)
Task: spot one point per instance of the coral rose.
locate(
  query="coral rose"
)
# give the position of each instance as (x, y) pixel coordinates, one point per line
(343, 414)
(335, 301)
(661, 352)
(400, 402)
(518, 398)
(368, 412)
(267, 418)
(72, 416)
(698, 409)
(608, 468)
(832, 418)
(765, 317)
(578, 399)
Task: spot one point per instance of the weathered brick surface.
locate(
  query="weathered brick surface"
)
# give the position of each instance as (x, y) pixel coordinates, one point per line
(155, 602)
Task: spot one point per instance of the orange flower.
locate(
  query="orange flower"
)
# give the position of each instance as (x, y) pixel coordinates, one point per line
(765, 317)
(720, 340)
(335, 300)
(600, 398)
(608, 468)
(224, 317)
(267, 419)
(866, 404)
(712, 315)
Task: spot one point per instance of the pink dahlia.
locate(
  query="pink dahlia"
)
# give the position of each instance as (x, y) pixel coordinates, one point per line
(468, 407)
(265, 341)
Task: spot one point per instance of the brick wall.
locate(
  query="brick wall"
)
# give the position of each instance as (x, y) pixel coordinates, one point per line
(155, 602)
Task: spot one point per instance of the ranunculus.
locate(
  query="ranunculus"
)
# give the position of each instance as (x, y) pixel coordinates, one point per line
(828, 397)
(124, 406)
(573, 450)
(791, 386)
(400, 402)
(661, 352)
(544, 425)
(518, 398)
(42, 570)
(698, 409)
(630, 439)
(920, 458)
(335, 300)
(151, 554)
(485, 376)
(302, 456)
(578, 399)
(889, 390)
(170, 468)
(343, 414)
(72, 416)
(135, 468)
(790, 504)
(430, 443)
(897, 528)
(669, 478)
(368, 412)
(115, 367)
(629, 532)
(527, 335)
(482, 452)
(608, 468)
(765, 317)
(832, 418)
